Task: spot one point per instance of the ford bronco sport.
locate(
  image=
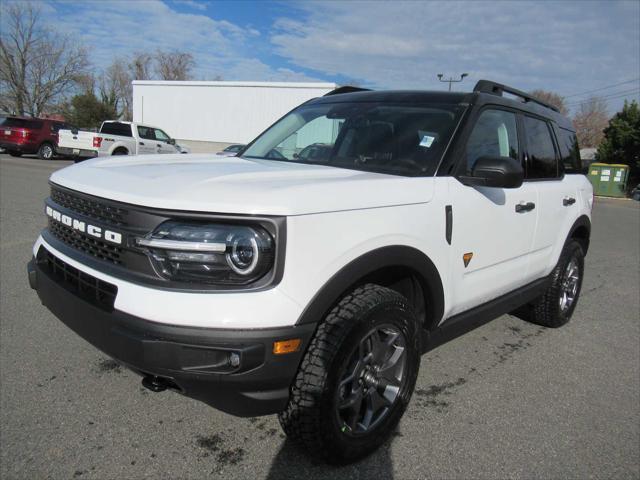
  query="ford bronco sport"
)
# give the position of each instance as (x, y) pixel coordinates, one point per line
(309, 286)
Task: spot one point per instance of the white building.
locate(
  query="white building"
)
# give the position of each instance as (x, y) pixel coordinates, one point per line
(207, 116)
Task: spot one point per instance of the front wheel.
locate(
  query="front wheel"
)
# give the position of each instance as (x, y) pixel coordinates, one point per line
(555, 307)
(356, 378)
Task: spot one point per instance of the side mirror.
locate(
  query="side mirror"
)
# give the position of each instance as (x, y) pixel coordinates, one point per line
(171, 141)
(497, 172)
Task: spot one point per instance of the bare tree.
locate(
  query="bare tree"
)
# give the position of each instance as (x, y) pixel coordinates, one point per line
(590, 121)
(174, 65)
(116, 89)
(140, 66)
(37, 65)
(551, 98)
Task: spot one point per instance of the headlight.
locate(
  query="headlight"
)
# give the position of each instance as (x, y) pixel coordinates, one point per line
(210, 253)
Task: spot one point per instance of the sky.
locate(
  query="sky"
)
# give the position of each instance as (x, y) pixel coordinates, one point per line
(568, 47)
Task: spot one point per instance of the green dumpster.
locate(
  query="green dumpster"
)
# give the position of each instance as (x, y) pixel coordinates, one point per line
(609, 180)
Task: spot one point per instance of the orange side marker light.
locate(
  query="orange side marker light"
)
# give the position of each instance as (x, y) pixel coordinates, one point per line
(286, 346)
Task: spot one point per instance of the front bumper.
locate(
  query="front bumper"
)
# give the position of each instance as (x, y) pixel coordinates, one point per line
(192, 360)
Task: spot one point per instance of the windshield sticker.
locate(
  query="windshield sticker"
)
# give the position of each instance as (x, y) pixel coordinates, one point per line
(427, 141)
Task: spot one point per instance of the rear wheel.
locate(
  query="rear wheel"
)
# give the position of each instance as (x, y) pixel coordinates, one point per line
(357, 377)
(555, 307)
(120, 151)
(13, 153)
(46, 152)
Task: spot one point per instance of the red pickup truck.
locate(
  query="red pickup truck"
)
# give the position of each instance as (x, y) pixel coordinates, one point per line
(20, 135)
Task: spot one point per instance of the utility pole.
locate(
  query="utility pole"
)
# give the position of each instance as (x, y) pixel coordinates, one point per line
(451, 79)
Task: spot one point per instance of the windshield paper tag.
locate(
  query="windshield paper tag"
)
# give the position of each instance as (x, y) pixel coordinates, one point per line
(427, 141)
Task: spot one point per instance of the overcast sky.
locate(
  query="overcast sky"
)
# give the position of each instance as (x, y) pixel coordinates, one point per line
(569, 47)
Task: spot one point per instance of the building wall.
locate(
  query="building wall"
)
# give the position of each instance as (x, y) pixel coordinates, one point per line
(220, 112)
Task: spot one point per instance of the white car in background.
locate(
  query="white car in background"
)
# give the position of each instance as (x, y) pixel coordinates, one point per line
(231, 150)
(117, 138)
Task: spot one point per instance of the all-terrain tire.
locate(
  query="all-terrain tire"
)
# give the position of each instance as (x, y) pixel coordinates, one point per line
(311, 417)
(551, 309)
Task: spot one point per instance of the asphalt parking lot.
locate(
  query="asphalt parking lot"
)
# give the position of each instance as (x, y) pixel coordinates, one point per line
(509, 400)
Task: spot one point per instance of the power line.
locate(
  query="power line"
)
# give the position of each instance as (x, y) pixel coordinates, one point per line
(607, 98)
(602, 88)
(604, 97)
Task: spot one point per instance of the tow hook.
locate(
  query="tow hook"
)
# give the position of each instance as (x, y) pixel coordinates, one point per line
(155, 384)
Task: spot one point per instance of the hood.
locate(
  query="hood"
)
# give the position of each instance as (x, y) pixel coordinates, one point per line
(210, 183)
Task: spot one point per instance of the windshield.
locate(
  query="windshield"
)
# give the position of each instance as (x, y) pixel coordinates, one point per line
(399, 139)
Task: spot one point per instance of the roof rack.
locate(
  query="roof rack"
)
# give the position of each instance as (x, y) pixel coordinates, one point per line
(346, 89)
(494, 88)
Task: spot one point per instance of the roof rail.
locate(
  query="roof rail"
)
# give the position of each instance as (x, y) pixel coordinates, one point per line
(346, 89)
(494, 88)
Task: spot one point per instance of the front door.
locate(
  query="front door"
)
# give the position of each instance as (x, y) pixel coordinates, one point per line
(493, 228)
(163, 142)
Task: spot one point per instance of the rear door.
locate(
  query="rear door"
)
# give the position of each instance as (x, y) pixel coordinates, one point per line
(557, 193)
(492, 235)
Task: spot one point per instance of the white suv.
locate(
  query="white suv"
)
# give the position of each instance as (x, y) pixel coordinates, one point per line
(309, 286)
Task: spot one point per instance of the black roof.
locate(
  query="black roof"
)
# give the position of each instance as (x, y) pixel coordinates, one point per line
(485, 92)
(400, 96)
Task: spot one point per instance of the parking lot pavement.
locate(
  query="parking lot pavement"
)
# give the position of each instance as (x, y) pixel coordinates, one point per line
(507, 400)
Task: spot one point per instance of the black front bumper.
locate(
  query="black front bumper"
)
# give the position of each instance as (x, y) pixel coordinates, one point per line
(194, 361)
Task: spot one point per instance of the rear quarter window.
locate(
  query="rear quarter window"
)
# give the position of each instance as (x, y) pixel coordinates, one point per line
(116, 128)
(569, 151)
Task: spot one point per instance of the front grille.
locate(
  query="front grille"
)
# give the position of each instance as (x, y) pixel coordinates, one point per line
(97, 292)
(96, 210)
(85, 243)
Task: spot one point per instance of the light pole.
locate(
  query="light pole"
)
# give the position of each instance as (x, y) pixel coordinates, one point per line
(451, 80)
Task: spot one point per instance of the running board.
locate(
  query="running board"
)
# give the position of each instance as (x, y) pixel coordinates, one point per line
(464, 322)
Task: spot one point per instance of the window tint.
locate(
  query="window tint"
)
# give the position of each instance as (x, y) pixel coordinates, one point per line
(146, 133)
(116, 128)
(160, 135)
(494, 135)
(541, 161)
(569, 151)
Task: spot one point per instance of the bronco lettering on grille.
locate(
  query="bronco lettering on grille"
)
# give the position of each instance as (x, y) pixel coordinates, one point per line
(93, 230)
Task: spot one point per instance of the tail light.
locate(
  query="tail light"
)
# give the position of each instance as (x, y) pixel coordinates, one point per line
(97, 141)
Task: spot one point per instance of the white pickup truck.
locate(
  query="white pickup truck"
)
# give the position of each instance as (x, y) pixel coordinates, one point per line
(117, 138)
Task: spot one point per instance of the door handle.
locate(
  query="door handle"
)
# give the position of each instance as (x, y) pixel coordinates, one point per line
(525, 207)
(158, 145)
(141, 143)
(568, 201)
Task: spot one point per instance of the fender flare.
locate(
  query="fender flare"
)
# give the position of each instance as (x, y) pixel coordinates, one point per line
(581, 222)
(392, 256)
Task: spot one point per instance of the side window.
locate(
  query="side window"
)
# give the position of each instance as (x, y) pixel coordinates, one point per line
(146, 133)
(569, 151)
(541, 154)
(160, 135)
(495, 134)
